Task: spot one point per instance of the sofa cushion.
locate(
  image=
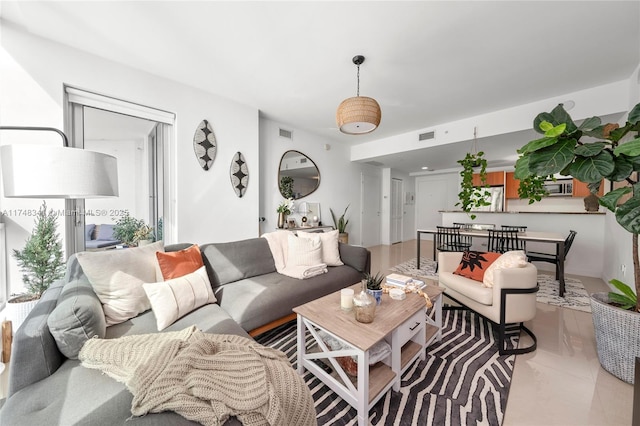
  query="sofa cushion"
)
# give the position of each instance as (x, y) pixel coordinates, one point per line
(77, 317)
(304, 251)
(510, 259)
(256, 301)
(178, 263)
(474, 263)
(105, 232)
(468, 287)
(117, 277)
(88, 231)
(330, 250)
(229, 262)
(175, 298)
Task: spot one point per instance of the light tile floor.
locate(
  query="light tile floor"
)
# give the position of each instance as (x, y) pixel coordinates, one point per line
(562, 382)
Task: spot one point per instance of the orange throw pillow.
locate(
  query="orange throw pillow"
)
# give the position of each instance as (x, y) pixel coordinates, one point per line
(474, 263)
(176, 264)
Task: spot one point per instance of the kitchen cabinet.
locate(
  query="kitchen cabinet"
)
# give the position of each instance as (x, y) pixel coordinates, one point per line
(493, 179)
(580, 189)
(511, 185)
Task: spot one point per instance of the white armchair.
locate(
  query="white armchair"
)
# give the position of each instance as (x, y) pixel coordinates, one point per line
(511, 300)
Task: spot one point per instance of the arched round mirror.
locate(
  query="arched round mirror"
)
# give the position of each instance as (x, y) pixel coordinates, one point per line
(298, 175)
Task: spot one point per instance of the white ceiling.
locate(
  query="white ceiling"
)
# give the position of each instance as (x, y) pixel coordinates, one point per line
(427, 62)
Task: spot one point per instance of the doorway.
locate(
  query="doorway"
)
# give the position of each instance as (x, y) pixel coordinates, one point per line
(397, 211)
(370, 193)
(140, 138)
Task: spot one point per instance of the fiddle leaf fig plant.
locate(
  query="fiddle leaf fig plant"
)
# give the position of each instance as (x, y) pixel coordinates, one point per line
(470, 196)
(590, 152)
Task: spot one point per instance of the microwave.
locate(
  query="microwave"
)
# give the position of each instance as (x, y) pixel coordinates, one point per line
(559, 188)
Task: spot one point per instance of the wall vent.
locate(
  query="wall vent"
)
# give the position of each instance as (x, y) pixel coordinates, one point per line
(427, 136)
(286, 134)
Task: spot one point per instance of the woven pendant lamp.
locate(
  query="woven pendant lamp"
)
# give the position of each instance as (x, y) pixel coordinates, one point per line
(360, 114)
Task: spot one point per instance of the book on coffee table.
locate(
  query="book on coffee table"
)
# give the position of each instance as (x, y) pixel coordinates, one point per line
(401, 281)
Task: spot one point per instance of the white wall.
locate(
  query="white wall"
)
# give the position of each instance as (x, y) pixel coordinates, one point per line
(339, 177)
(33, 73)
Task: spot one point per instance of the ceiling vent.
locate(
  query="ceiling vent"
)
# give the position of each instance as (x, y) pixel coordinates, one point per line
(427, 136)
(286, 134)
(375, 163)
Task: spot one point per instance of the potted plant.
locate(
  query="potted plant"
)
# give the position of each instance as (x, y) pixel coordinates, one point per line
(284, 209)
(341, 225)
(470, 196)
(125, 229)
(143, 235)
(374, 285)
(615, 156)
(41, 263)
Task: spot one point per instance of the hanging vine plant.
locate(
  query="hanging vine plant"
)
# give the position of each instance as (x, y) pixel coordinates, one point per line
(470, 196)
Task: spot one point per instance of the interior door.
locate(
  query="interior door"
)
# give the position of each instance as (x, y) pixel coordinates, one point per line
(371, 188)
(397, 212)
(431, 197)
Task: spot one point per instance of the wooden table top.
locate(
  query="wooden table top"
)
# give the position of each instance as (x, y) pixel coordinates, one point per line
(326, 313)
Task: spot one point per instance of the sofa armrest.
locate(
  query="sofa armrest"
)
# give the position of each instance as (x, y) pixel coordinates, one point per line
(357, 257)
(35, 355)
(526, 277)
(448, 261)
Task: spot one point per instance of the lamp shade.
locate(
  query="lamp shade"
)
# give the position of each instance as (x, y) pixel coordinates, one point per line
(358, 115)
(40, 171)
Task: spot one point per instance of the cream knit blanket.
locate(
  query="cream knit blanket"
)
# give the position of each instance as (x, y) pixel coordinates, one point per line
(204, 377)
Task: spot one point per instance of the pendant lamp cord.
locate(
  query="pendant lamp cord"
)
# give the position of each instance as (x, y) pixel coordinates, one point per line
(358, 91)
(474, 146)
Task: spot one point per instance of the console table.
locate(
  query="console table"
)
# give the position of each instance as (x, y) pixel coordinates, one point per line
(308, 229)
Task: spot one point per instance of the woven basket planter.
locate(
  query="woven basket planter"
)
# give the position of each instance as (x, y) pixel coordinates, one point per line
(17, 312)
(617, 337)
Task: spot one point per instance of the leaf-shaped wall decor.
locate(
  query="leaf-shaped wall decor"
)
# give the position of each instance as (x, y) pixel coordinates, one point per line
(205, 145)
(239, 174)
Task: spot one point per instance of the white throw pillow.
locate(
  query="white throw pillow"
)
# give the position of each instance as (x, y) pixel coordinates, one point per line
(117, 277)
(330, 248)
(175, 298)
(509, 260)
(304, 251)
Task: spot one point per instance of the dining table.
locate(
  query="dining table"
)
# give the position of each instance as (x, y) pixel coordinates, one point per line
(533, 236)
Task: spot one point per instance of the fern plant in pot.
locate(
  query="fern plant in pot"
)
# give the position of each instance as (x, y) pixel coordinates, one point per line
(590, 152)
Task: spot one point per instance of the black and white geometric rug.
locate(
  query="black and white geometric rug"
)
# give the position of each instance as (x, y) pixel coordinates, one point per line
(575, 296)
(463, 381)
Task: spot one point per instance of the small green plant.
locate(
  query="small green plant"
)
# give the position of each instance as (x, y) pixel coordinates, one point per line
(374, 282)
(41, 259)
(145, 232)
(126, 227)
(286, 206)
(286, 187)
(626, 300)
(470, 196)
(341, 223)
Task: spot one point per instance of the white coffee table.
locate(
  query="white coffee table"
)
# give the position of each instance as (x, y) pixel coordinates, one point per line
(400, 322)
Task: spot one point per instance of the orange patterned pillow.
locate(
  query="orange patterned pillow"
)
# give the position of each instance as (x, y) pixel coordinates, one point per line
(475, 263)
(176, 264)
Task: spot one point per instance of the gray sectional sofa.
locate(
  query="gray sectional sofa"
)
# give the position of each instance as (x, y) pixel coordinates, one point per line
(46, 388)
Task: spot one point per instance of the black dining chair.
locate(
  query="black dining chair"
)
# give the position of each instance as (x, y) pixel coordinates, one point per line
(535, 256)
(448, 238)
(501, 241)
(464, 239)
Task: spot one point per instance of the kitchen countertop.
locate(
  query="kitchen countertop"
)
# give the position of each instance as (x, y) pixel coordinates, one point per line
(585, 212)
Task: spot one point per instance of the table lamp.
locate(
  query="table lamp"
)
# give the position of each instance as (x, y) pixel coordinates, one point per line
(39, 171)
